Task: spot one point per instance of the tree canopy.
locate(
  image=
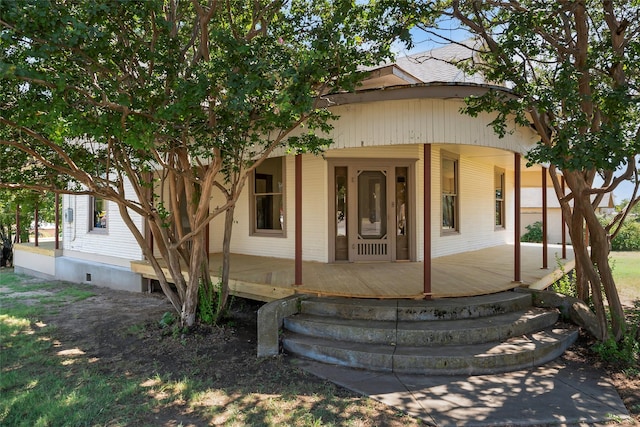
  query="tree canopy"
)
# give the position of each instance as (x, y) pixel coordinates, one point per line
(153, 104)
(573, 66)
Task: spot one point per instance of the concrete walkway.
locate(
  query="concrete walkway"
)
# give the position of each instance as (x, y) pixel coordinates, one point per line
(557, 393)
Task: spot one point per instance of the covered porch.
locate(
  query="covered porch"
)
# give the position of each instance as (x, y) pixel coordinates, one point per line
(478, 272)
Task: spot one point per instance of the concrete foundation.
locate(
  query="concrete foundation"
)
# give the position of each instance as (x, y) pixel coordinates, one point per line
(91, 272)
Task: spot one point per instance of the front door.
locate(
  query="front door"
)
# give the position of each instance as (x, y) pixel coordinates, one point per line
(370, 233)
(371, 208)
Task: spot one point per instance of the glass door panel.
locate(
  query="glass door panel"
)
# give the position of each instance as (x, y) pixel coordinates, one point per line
(342, 214)
(370, 240)
(402, 214)
(372, 202)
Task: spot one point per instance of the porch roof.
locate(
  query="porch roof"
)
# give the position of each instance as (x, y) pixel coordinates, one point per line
(478, 272)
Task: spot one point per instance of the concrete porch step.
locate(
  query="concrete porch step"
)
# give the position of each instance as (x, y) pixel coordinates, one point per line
(423, 332)
(417, 310)
(492, 357)
(472, 335)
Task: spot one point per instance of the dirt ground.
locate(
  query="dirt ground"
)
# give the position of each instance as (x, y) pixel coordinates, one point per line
(121, 330)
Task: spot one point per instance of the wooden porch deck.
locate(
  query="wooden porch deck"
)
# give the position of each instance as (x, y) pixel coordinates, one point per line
(479, 272)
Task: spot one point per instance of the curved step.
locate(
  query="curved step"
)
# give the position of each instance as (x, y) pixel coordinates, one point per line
(416, 310)
(513, 354)
(423, 333)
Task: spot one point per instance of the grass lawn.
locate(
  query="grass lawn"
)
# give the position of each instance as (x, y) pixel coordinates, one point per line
(626, 271)
(66, 359)
(75, 355)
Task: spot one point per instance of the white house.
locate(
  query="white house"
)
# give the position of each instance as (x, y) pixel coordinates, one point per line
(408, 178)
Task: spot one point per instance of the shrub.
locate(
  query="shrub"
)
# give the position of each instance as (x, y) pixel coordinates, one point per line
(628, 239)
(533, 234)
(626, 352)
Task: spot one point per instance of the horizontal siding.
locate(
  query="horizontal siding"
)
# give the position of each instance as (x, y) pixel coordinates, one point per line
(314, 224)
(476, 200)
(118, 242)
(476, 195)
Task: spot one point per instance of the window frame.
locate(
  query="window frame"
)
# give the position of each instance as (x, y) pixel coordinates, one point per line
(446, 156)
(92, 215)
(253, 203)
(499, 173)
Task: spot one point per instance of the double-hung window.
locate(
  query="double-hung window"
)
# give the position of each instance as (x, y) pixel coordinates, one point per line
(498, 181)
(267, 198)
(449, 186)
(98, 215)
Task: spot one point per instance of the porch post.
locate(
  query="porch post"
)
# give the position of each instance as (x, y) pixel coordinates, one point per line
(57, 220)
(516, 223)
(148, 235)
(427, 221)
(298, 221)
(36, 216)
(16, 238)
(147, 232)
(564, 234)
(545, 242)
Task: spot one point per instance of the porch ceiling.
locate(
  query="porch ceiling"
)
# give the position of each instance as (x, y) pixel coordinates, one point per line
(487, 155)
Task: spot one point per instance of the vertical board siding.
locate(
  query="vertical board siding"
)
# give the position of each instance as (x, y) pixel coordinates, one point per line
(420, 121)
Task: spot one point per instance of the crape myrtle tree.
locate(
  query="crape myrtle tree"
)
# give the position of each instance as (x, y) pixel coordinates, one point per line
(574, 67)
(157, 105)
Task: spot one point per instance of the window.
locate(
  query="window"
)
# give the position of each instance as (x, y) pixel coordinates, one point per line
(498, 183)
(449, 172)
(98, 207)
(268, 198)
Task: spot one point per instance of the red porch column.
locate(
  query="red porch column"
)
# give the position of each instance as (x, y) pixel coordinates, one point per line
(148, 235)
(562, 228)
(16, 238)
(298, 220)
(36, 217)
(517, 277)
(427, 221)
(57, 221)
(545, 242)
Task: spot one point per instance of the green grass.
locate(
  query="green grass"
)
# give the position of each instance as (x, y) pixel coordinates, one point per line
(626, 272)
(45, 382)
(41, 383)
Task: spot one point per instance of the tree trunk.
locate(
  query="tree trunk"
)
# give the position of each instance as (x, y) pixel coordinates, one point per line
(600, 259)
(594, 269)
(190, 304)
(226, 260)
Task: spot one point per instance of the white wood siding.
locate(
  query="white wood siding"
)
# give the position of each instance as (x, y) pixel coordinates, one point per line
(117, 242)
(476, 200)
(314, 222)
(420, 121)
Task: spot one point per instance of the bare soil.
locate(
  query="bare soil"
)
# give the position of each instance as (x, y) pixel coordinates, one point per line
(121, 330)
